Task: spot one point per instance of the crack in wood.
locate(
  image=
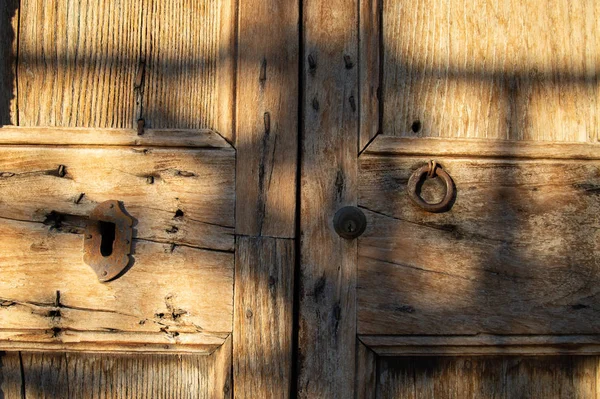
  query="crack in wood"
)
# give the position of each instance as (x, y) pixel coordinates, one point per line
(182, 244)
(418, 268)
(452, 229)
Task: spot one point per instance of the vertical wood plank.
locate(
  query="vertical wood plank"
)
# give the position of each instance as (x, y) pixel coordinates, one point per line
(263, 317)
(267, 118)
(395, 378)
(366, 372)
(226, 69)
(539, 377)
(45, 375)
(10, 375)
(522, 70)
(266, 143)
(327, 325)
(585, 369)
(369, 70)
(77, 63)
(221, 371)
(62, 375)
(488, 377)
(9, 22)
(183, 55)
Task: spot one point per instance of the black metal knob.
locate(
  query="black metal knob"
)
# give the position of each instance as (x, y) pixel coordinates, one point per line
(350, 222)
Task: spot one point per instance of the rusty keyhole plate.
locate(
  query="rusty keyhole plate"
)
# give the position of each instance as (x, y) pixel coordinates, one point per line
(107, 242)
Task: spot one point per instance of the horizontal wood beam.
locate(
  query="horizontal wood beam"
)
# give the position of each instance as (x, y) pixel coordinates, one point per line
(197, 138)
(483, 344)
(440, 147)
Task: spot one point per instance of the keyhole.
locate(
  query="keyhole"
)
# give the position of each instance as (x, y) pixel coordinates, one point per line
(350, 226)
(107, 231)
(349, 222)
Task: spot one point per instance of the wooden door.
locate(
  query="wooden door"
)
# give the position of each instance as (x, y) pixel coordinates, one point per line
(495, 296)
(186, 114)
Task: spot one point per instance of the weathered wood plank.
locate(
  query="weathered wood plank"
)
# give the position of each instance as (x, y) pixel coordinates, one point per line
(484, 344)
(123, 137)
(487, 377)
(395, 378)
(221, 373)
(585, 374)
(10, 375)
(369, 69)
(466, 148)
(510, 69)
(123, 376)
(263, 317)
(183, 54)
(549, 377)
(51, 300)
(78, 62)
(266, 180)
(179, 288)
(9, 23)
(182, 197)
(226, 69)
(366, 372)
(267, 118)
(327, 321)
(515, 254)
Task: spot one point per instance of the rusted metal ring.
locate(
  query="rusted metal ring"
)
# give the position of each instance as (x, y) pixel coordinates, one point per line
(430, 170)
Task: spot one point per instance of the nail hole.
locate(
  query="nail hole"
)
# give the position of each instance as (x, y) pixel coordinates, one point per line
(178, 213)
(416, 126)
(107, 231)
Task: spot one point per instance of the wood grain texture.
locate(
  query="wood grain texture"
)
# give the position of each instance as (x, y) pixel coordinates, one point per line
(487, 377)
(48, 375)
(369, 69)
(9, 23)
(51, 300)
(263, 317)
(481, 344)
(522, 70)
(94, 64)
(479, 148)
(122, 137)
(226, 69)
(153, 184)
(267, 118)
(327, 319)
(267, 149)
(10, 375)
(179, 289)
(183, 54)
(516, 254)
(77, 63)
(366, 372)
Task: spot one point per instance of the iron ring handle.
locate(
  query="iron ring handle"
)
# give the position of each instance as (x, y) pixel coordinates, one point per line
(430, 170)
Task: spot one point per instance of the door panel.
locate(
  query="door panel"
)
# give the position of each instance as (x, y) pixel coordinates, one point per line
(107, 64)
(182, 67)
(520, 70)
(77, 63)
(515, 255)
(489, 90)
(72, 65)
(177, 291)
(487, 377)
(79, 375)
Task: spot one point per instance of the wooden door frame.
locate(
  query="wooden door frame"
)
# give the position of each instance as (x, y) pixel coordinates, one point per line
(332, 105)
(266, 140)
(342, 116)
